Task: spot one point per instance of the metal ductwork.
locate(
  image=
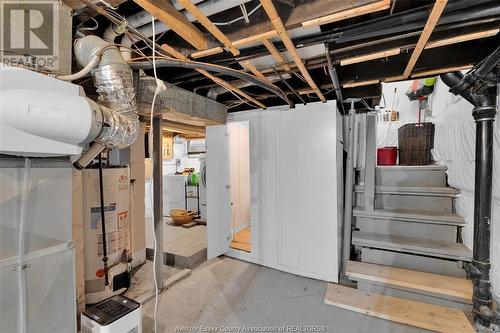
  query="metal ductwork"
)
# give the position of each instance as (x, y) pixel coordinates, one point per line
(118, 105)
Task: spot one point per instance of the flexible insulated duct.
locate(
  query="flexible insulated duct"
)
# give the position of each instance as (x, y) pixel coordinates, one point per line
(114, 82)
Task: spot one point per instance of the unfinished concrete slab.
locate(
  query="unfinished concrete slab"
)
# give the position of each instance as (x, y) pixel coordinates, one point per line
(225, 293)
(183, 247)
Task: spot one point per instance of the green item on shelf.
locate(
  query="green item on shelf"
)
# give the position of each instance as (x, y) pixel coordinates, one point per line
(194, 178)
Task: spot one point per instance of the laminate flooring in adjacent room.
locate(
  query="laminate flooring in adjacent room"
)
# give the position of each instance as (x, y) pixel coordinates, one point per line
(242, 240)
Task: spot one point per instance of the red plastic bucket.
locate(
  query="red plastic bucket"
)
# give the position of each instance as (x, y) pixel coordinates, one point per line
(387, 156)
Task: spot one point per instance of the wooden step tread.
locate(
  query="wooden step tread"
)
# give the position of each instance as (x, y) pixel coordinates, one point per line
(241, 246)
(422, 315)
(414, 245)
(413, 190)
(442, 286)
(411, 216)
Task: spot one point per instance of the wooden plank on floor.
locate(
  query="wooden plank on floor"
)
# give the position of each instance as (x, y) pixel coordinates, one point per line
(442, 286)
(403, 311)
(243, 236)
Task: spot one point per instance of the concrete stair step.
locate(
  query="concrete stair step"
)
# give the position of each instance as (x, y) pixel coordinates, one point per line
(440, 286)
(413, 245)
(404, 215)
(400, 175)
(412, 190)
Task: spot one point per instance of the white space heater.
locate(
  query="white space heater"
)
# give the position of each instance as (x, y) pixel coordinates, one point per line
(117, 314)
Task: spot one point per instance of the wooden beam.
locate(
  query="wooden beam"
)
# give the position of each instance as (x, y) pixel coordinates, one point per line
(345, 14)
(248, 65)
(358, 84)
(171, 17)
(183, 128)
(207, 52)
(462, 38)
(278, 25)
(274, 51)
(370, 56)
(209, 25)
(217, 80)
(255, 38)
(231, 87)
(433, 19)
(441, 71)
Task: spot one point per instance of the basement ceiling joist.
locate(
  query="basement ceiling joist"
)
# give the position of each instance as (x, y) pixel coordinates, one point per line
(278, 25)
(433, 19)
(171, 17)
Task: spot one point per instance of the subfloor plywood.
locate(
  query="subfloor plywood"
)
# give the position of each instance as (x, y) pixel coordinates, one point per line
(417, 314)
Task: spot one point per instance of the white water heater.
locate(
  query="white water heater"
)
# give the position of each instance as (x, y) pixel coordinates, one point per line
(116, 185)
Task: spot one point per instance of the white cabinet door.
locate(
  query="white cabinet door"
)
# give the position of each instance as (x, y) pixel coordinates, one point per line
(218, 191)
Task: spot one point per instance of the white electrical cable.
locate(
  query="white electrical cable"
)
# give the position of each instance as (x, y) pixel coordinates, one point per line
(23, 311)
(160, 86)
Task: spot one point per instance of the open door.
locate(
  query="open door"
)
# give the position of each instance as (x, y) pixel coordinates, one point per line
(218, 191)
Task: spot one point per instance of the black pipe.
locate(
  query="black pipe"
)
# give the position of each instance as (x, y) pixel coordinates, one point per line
(484, 115)
(335, 79)
(292, 105)
(481, 298)
(209, 67)
(103, 224)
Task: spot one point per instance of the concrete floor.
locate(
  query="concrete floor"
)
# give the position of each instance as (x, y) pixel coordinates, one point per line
(184, 247)
(226, 293)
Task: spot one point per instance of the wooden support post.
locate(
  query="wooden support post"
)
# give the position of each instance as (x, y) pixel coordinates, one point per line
(157, 177)
(370, 161)
(433, 19)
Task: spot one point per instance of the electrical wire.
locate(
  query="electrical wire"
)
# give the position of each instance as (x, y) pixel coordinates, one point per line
(88, 28)
(159, 86)
(239, 18)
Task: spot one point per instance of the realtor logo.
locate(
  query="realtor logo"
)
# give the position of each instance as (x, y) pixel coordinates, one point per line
(29, 33)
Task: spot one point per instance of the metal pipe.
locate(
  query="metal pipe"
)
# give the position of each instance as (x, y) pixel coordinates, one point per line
(210, 67)
(157, 177)
(484, 117)
(289, 87)
(103, 224)
(335, 79)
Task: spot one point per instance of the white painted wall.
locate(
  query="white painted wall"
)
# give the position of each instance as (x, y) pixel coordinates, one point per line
(294, 191)
(454, 146)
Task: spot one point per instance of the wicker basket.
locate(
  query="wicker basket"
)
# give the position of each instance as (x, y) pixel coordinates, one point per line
(415, 144)
(182, 216)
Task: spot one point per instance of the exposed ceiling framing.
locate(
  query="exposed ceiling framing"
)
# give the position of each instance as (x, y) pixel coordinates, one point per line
(370, 41)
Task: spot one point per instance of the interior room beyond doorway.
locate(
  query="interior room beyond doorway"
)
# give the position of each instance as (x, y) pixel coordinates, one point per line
(239, 152)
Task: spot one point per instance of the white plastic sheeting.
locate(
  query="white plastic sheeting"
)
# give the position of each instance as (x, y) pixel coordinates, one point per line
(454, 146)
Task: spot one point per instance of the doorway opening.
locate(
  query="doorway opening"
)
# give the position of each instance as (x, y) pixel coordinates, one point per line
(239, 155)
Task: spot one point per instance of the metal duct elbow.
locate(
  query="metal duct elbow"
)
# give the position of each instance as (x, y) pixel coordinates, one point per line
(115, 86)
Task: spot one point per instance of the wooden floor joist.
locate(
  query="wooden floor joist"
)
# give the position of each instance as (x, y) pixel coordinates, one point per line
(422, 315)
(345, 14)
(255, 38)
(279, 26)
(170, 16)
(205, 21)
(219, 81)
(462, 38)
(369, 56)
(441, 71)
(248, 65)
(207, 52)
(433, 19)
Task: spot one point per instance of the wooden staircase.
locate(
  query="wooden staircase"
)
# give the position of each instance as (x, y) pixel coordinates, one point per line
(407, 244)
